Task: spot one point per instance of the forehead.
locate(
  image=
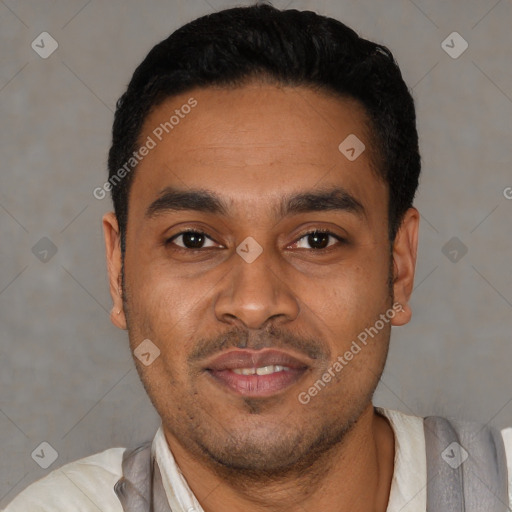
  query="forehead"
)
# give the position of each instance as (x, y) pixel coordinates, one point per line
(254, 142)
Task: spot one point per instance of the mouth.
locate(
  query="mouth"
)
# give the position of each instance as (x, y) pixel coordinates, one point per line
(259, 373)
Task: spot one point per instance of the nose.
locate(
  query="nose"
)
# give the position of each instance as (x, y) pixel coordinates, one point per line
(256, 292)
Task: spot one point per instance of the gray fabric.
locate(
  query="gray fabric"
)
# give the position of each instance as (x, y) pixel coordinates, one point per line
(477, 484)
(140, 489)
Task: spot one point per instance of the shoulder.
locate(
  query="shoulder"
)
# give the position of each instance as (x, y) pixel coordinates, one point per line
(82, 486)
(507, 441)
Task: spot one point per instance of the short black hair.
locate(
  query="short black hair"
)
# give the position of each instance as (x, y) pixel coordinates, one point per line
(290, 47)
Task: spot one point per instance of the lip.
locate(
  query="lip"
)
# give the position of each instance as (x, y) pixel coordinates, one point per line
(247, 358)
(221, 369)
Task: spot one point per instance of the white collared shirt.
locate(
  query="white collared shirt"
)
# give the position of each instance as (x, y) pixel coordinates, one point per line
(87, 485)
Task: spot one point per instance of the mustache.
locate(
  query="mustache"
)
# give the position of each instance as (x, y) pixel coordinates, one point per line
(271, 337)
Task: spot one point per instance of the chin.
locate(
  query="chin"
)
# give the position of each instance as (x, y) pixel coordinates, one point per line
(269, 453)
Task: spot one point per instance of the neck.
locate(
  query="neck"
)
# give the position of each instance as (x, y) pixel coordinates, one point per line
(355, 475)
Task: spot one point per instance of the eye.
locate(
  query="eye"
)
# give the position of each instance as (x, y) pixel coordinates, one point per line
(191, 240)
(317, 240)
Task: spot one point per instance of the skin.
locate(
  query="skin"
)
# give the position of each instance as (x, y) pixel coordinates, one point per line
(252, 146)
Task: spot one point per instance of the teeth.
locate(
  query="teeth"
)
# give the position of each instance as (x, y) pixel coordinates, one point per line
(266, 370)
(245, 371)
(263, 370)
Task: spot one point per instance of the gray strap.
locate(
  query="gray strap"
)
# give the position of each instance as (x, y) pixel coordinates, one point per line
(459, 484)
(140, 489)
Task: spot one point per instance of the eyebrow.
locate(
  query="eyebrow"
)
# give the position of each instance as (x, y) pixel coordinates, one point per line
(201, 200)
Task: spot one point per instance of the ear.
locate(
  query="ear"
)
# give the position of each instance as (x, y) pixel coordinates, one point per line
(405, 248)
(114, 265)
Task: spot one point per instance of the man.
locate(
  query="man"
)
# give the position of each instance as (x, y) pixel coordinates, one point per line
(263, 169)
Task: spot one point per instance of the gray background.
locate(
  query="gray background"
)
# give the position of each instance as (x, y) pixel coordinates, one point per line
(66, 373)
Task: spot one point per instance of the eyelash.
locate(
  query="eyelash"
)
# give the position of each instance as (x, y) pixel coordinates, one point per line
(170, 241)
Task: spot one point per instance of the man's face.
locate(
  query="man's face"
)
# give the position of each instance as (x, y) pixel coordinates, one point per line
(271, 178)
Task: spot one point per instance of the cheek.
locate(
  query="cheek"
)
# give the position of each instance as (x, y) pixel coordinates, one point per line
(355, 292)
(349, 307)
(168, 311)
(158, 294)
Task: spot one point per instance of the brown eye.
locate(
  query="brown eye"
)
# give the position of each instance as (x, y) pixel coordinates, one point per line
(192, 240)
(317, 240)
